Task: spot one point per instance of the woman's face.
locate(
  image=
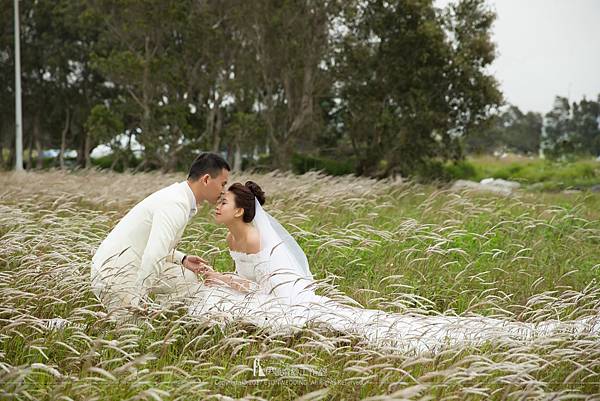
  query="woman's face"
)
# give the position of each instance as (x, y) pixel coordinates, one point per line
(226, 211)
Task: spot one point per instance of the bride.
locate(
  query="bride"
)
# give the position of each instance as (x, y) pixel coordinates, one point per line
(273, 287)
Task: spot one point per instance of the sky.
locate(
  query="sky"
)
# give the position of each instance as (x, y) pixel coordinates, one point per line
(546, 48)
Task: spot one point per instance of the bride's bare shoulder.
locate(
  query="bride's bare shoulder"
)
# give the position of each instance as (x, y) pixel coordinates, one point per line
(253, 241)
(250, 245)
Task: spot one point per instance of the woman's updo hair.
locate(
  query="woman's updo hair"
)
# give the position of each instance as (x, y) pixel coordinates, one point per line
(244, 196)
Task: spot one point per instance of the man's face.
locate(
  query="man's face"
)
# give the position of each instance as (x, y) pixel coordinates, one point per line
(216, 186)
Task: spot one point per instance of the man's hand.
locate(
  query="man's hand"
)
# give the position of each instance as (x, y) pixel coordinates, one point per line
(196, 264)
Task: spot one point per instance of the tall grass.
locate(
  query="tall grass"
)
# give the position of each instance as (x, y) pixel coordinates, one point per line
(401, 247)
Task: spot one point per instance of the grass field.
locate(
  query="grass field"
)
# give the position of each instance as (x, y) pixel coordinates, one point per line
(397, 246)
(538, 174)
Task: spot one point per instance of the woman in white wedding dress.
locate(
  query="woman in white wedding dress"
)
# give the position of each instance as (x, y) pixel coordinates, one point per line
(273, 287)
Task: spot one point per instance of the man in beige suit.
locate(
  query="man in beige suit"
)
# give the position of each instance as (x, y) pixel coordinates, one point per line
(139, 257)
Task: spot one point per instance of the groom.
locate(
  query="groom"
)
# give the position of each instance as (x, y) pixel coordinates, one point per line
(138, 256)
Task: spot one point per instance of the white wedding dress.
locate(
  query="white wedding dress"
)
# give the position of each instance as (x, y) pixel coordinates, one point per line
(281, 301)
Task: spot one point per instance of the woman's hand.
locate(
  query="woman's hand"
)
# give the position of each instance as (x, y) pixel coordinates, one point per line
(214, 279)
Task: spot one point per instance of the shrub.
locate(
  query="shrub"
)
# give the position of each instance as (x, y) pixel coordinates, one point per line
(303, 163)
(106, 162)
(431, 171)
(462, 170)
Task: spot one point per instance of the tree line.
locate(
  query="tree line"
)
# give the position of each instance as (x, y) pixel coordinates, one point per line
(383, 85)
(568, 129)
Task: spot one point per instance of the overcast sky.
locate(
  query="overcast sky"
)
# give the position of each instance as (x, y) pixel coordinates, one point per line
(546, 48)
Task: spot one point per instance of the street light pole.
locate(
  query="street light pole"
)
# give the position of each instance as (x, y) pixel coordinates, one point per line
(18, 115)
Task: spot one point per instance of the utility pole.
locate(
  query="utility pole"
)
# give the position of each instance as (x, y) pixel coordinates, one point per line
(18, 115)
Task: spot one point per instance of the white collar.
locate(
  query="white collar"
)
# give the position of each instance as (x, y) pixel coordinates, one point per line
(191, 197)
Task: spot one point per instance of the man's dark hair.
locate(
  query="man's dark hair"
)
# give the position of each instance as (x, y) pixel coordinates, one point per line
(207, 163)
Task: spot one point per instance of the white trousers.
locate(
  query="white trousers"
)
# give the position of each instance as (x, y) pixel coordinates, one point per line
(114, 284)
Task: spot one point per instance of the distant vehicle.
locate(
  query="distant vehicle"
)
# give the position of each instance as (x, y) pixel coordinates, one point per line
(52, 153)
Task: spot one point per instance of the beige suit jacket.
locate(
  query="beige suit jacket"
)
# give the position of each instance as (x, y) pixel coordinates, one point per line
(145, 238)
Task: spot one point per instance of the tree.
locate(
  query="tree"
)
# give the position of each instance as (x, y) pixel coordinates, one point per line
(289, 40)
(59, 86)
(510, 130)
(586, 125)
(7, 79)
(79, 86)
(412, 81)
(572, 129)
(136, 53)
